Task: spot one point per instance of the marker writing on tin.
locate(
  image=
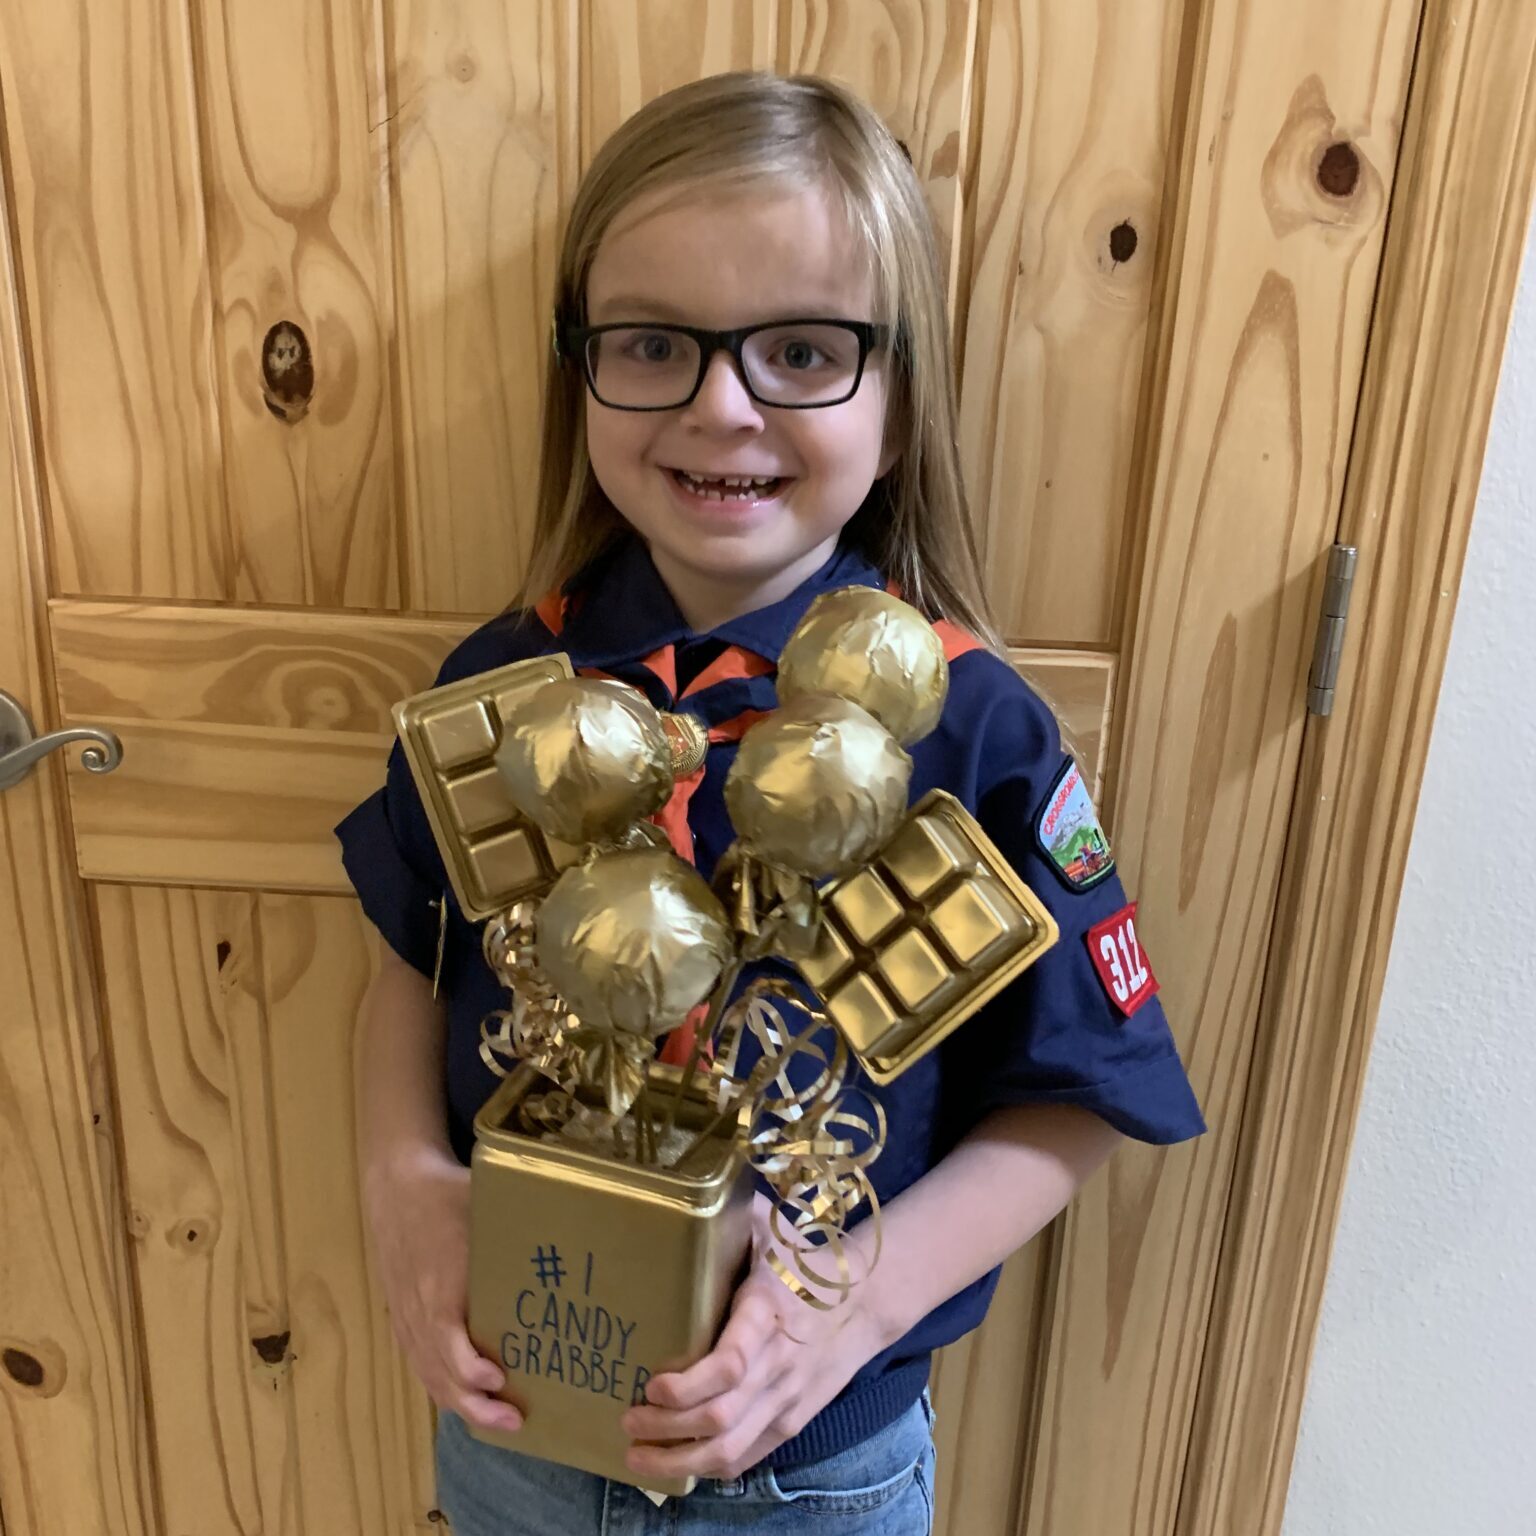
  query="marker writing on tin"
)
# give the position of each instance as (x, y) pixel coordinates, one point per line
(577, 1343)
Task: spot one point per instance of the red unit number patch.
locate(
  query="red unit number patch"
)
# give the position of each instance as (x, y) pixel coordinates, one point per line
(1118, 958)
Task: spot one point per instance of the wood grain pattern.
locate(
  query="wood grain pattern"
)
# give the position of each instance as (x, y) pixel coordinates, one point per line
(637, 49)
(1459, 219)
(73, 1430)
(291, 95)
(113, 267)
(365, 1463)
(1073, 108)
(249, 735)
(481, 130)
(1079, 688)
(912, 61)
(1259, 361)
(278, 1396)
(221, 666)
(985, 1401)
(224, 806)
(189, 1045)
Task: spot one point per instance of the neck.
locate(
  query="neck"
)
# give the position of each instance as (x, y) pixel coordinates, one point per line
(707, 602)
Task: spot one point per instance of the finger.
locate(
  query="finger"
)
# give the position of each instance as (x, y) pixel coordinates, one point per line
(486, 1412)
(468, 1367)
(726, 1456)
(708, 1421)
(752, 1328)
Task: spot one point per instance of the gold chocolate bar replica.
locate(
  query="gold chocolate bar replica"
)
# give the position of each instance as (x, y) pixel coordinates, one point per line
(590, 1274)
(919, 939)
(494, 856)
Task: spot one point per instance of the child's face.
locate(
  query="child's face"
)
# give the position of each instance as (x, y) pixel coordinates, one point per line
(724, 261)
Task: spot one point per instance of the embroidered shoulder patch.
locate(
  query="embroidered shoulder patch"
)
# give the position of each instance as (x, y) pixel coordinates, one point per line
(1121, 962)
(1068, 831)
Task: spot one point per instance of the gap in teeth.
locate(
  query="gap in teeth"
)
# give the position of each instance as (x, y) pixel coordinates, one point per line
(736, 487)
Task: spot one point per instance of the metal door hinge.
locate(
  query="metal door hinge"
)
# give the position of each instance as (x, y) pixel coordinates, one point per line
(1330, 629)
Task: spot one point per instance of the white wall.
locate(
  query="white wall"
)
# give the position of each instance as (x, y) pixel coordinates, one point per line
(1420, 1417)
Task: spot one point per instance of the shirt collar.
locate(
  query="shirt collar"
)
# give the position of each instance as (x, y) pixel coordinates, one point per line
(624, 612)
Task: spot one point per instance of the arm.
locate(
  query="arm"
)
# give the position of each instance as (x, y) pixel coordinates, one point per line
(758, 1388)
(1004, 1183)
(416, 1194)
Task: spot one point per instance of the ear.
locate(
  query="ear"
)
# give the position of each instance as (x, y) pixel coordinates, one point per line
(890, 451)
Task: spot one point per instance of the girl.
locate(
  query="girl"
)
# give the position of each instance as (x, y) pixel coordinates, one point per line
(749, 403)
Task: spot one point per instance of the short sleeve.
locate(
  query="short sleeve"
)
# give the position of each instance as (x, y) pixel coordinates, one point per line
(394, 866)
(387, 847)
(1058, 1034)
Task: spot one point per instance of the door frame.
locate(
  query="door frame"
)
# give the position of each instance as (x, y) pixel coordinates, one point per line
(1456, 232)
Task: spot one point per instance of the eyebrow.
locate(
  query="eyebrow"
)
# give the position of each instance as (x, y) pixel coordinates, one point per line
(628, 304)
(632, 307)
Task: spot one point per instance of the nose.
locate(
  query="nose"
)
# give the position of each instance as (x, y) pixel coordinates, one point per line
(723, 403)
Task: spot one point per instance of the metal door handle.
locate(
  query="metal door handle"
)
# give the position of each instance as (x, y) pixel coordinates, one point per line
(21, 747)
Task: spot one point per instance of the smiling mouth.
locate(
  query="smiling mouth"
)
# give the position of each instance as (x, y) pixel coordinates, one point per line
(730, 487)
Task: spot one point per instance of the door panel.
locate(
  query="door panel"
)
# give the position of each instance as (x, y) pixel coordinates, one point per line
(254, 733)
(279, 1402)
(74, 1424)
(1075, 107)
(1275, 243)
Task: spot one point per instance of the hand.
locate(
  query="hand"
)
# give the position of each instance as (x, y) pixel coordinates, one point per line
(419, 1215)
(756, 1389)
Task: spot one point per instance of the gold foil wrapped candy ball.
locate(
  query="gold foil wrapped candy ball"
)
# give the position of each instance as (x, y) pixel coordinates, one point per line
(874, 650)
(633, 940)
(817, 786)
(585, 758)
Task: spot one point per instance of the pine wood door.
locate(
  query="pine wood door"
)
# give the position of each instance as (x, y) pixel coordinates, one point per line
(274, 292)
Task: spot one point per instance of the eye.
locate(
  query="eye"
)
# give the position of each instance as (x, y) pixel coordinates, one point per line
(650, 346)
(800, 354)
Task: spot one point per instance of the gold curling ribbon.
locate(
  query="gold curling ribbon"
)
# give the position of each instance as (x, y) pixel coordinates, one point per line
(810, 1145)
(538, 1028)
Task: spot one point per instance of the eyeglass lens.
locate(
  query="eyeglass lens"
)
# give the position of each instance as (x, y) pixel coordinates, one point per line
(652, 366)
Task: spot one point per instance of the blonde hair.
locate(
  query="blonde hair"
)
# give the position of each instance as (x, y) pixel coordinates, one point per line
(742, 128)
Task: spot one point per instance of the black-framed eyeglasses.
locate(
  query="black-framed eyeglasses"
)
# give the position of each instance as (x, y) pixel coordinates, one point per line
(794, 365)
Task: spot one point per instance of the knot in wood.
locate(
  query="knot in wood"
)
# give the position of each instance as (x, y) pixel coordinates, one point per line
(272, 1347)
(24, 1369)
(287, 371)
(36, 1366)
(1338, 172)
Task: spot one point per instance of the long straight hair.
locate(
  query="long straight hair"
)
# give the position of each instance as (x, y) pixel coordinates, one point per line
(736, 130)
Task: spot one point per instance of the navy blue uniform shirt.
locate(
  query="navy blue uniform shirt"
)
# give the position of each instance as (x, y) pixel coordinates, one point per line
(1056, 1036)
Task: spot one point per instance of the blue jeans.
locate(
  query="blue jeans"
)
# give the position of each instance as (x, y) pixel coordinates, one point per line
(881, 1487)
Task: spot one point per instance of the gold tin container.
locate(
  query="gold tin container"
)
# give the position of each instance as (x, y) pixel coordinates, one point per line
(589, 1275)
(913, 944)
(493, 855)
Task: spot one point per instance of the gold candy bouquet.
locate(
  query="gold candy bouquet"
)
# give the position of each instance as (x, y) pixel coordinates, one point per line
(612, 1191)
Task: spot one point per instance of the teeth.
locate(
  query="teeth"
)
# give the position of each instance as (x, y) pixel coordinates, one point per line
(727, 487)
